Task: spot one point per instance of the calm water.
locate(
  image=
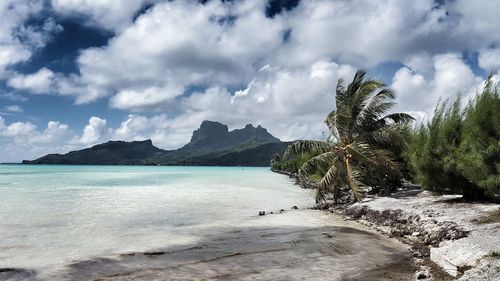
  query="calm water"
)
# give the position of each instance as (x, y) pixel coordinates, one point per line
(55, 215)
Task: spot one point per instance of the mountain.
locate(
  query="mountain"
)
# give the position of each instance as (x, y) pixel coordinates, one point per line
(211, 144)
(109, 153)
(214, 136)
(257, 156)
(215, 139)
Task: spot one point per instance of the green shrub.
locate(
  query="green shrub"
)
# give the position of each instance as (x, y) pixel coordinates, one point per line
(479, 153)
(458, 151)
(433, 149)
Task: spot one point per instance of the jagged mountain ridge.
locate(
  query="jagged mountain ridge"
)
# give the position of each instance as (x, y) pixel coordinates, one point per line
(211, 144)
(215, 136)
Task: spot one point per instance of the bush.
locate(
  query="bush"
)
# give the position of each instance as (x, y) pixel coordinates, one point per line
(458, 150)
(479, 152)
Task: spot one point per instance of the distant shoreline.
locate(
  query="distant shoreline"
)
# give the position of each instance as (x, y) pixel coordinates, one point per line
(138, 165)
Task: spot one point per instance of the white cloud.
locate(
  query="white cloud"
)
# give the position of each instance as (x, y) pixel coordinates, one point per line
(159, 128)
(153, 98)
(14, 108)
(475, 23)
(360, 32)
(24, 141)
(39, 82)
(155, 62)
(132, 128)
(54, 132)
(178, 44)
(16, 129)
(26, 132)
(368, 32)
(450, 75)
(18, 40)
(489, 59)
(38, 36)
(95, 131)
(291, 104)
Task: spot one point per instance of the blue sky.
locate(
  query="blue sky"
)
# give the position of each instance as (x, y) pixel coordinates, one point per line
(74, 73)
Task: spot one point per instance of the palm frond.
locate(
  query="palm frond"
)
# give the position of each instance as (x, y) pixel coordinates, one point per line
(368, 155)
(330, 121)
(341, 96)
(397, 118)
(315, 170)
(318, 165)
(356, 83)
(364, 95)
(354, 180)
(374, 109)
(333, 180)
(392, 135)
(306, 146)
(343, 123)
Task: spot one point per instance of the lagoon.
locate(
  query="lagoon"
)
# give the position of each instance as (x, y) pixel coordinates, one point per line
(55, 219)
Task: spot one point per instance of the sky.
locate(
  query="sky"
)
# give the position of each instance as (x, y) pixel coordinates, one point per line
(74, 73)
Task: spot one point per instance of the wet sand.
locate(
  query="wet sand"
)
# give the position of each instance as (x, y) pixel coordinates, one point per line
(295, 245)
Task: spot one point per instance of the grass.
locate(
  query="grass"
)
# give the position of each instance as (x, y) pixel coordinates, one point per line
(493, 217)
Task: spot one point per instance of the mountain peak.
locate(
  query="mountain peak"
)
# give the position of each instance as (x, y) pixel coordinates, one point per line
(215, 136)
(213, 125)
(113, 143)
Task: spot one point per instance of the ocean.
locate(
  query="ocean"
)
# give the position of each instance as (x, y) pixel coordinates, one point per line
(52, 216)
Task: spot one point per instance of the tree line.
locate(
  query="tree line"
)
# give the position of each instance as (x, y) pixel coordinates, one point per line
(371, 151)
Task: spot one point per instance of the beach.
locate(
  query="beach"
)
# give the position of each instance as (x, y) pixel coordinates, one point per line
(293, 245)
(180, 223)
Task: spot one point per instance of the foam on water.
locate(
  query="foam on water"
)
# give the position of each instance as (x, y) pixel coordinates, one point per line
(54, 215)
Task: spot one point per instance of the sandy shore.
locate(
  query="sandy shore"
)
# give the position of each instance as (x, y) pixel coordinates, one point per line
(453, 235)
(354, 243)
(293, 245)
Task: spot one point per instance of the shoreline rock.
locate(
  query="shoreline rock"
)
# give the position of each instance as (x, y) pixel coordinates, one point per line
(440, 233)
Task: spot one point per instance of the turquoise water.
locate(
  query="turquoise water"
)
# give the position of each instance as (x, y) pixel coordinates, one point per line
(54, 215)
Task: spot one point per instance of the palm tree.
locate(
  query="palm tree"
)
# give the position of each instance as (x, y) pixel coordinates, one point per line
(275, 159)
(362, 139)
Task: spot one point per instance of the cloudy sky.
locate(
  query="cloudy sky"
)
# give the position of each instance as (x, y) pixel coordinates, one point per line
(74, 73)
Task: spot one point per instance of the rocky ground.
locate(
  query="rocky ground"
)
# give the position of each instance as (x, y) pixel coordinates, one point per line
(463, 239)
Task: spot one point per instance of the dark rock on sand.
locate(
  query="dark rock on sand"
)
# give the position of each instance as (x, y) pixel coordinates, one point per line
(17, 274)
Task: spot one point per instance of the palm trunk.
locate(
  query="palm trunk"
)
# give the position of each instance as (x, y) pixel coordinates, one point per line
(350, 181)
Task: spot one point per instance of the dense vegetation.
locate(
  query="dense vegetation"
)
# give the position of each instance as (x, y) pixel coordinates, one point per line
(363, 143)
(458, 151)
(291, 164)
